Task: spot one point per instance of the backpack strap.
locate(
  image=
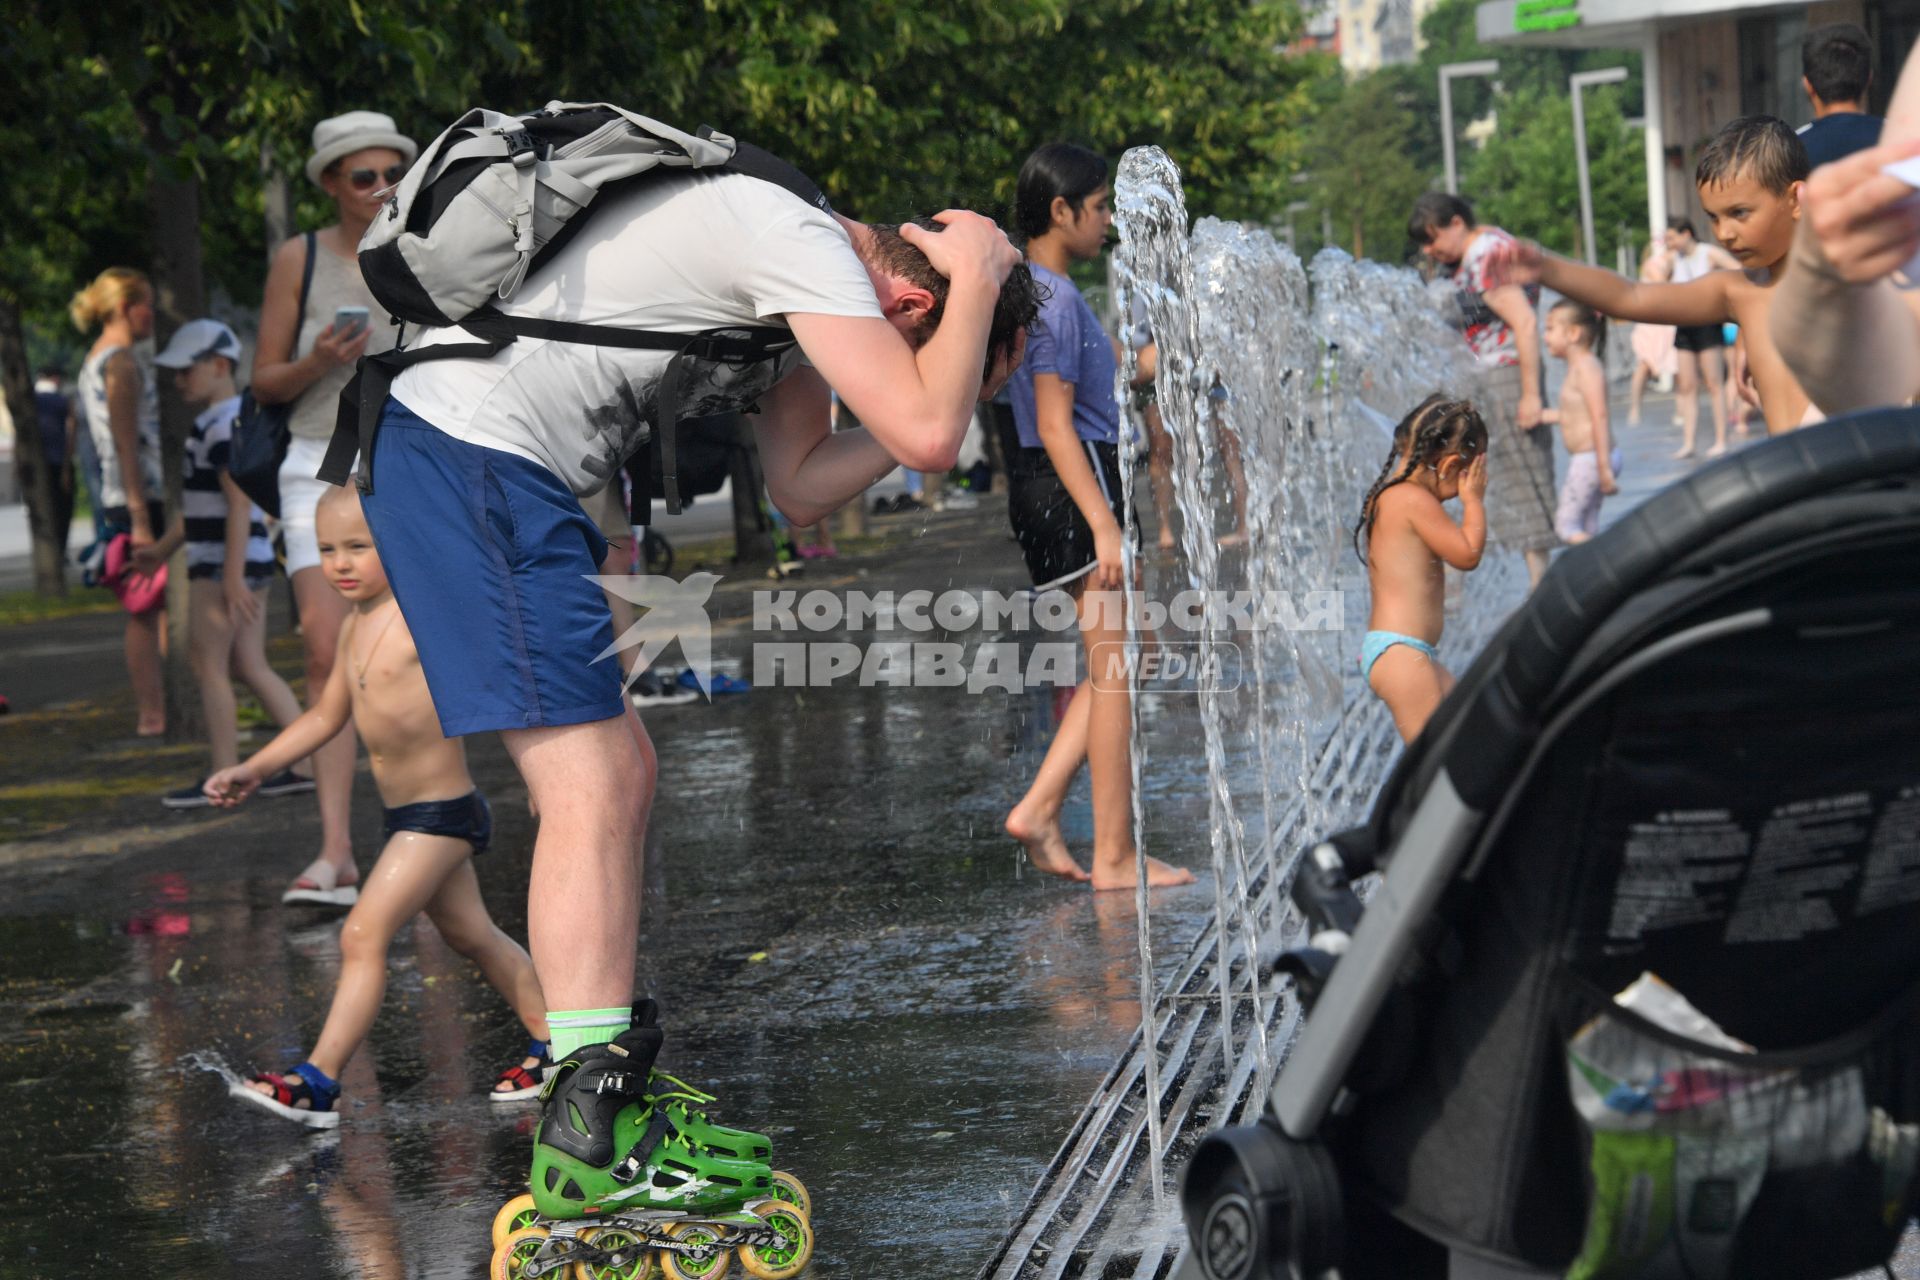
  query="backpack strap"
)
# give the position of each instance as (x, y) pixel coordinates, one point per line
(362, 400)
(764, 165)
(306, 290)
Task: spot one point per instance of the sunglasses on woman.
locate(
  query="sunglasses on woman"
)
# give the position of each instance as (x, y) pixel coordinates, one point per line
(365, 179)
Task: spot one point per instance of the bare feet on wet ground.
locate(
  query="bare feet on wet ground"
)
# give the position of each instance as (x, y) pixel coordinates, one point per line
(1046, 847)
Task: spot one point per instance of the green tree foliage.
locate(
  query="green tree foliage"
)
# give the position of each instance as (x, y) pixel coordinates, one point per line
(1528, 184)
(157, 129)
(1523, 179)
(895, 108)
(1361, 155)
(899, 107)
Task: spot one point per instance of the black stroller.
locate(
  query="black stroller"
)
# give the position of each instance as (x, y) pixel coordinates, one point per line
(1694, 754)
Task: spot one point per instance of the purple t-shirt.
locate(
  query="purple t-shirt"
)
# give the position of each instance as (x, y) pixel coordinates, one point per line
(1068, 342)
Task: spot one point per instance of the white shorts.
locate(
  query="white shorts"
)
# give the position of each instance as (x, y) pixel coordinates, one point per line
(300, 492)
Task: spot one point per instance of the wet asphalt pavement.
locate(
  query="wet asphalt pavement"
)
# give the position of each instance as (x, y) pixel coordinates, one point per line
(848, 952)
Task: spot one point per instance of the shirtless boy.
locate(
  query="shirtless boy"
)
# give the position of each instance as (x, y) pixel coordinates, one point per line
(436, 822)
(1749, 178)
(1574, 332)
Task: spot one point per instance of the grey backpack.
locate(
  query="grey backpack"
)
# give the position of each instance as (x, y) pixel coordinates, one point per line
(492, 198)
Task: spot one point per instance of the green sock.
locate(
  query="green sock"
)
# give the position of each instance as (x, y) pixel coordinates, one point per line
(572, 1028)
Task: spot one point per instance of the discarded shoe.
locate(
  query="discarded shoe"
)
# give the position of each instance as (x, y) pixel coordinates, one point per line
(286, 783)
(188, 797)
(717, 683)
(320, 884)
(648, 690)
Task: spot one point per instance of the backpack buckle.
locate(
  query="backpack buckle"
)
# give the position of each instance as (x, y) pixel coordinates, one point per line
(520, 148)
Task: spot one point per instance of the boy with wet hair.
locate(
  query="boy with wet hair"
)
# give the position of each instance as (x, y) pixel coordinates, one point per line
(1749, 177)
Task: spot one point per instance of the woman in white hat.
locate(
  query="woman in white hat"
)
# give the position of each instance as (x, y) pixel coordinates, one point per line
(304, 358)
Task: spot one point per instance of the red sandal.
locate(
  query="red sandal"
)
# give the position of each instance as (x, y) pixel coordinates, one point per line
(525, 1083)
(305, 1084)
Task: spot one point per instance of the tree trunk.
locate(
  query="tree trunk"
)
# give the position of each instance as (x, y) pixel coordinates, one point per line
(37, 479)
(752, 531)
(179, 281)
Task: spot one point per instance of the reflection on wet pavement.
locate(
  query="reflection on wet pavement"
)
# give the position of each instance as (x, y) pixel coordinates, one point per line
(848, 951)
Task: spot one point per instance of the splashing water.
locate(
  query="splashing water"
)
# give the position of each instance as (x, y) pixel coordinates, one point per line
(1285, 380)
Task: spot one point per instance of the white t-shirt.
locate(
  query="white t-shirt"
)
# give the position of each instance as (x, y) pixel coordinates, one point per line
(679, 255)
(1693, 264)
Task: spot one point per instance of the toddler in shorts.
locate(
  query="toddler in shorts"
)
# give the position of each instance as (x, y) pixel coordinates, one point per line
(1576, 334)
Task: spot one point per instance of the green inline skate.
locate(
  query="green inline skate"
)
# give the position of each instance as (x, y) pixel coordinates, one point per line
(629, 1174)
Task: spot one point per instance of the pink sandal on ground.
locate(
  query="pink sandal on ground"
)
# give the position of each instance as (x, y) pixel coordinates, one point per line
(320, 884)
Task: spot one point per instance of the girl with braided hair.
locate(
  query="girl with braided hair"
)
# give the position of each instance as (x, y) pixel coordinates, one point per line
(1439, 452)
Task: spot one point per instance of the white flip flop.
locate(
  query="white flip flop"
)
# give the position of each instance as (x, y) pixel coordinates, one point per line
(329, 892)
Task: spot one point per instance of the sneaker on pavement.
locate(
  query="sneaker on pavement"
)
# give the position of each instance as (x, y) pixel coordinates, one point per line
(718, 682)
(650, 691)
(959, 500)
(285, 783)
(187, 797)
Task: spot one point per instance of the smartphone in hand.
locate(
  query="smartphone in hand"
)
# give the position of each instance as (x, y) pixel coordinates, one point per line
(349, 321)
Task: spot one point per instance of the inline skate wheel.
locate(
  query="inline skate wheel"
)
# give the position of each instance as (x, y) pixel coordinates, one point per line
(637, 1266)
(793, 1191)
(519, 1213)
(780, 1262)
(516, 1251)
(706, 1258)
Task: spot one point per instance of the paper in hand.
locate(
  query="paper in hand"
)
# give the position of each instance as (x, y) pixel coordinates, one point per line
(1908, 171)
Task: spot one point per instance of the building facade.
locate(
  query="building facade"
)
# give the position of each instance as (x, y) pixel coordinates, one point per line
(1377, 33)
(1705, 62)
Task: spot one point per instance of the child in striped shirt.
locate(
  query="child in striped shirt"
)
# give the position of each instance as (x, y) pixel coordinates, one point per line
(229, 561)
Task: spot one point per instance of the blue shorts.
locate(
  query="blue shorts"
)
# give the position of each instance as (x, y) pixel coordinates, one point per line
(489, 555)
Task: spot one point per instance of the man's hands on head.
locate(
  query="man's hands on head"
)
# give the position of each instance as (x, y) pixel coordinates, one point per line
(919, 402)
(970, 245)
(1861, 223)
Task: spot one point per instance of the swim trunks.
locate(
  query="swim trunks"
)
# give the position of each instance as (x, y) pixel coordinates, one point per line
(491, 557)
(1580, 495)
(465, 818)
(1376, 643)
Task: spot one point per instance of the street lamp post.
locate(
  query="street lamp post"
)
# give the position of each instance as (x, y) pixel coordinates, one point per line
(1482, 67)
(1580, 80)
(1293, 207)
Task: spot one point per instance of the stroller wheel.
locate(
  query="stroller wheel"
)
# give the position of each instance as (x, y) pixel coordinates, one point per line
(1258, 1204)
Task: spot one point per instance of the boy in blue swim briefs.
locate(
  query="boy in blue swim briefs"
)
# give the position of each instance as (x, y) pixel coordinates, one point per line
(436, 824)
(1405, 535)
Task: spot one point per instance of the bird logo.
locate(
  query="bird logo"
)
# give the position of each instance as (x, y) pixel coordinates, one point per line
(675, 609)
